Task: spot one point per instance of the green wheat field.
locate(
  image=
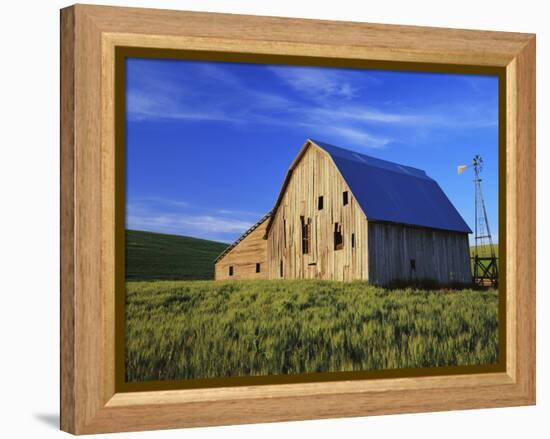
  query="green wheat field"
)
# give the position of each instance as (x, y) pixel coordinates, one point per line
(206, 329)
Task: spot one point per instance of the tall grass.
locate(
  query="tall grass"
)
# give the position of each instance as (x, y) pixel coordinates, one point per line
(204, 329)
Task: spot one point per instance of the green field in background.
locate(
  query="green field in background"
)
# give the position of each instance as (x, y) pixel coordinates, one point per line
(156, 256)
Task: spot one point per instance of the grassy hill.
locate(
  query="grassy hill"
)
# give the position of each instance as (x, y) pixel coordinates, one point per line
(483, 249)
(156, 256)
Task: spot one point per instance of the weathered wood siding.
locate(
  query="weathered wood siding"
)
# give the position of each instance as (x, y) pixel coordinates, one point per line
(439, 255)
(316, 175)
(244, 257)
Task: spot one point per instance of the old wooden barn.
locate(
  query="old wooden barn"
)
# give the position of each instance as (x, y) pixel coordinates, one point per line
(342, 215)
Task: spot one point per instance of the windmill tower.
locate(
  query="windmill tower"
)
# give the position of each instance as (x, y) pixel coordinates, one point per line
(484, 260)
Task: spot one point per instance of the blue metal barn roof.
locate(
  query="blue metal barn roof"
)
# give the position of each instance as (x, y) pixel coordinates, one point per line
(388, 191)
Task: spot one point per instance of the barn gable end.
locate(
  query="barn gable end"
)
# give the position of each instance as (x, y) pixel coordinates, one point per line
(299, 212)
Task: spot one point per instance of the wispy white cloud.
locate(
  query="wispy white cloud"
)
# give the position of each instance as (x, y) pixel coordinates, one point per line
(218, 74)
(183, 218)
(478, 83)
(451, 115)
(162, 201)
(317, 83)
(331, 102)
(165, 96)
(344, 123)
(359, 113)
(193, 225)
(358, 137)
(263, 100)
(246, 213)
(159, 106)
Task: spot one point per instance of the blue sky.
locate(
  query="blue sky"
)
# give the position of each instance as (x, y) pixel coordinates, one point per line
(208, 144)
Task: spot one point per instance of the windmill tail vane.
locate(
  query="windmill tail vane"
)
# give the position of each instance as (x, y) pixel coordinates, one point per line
(460, 169)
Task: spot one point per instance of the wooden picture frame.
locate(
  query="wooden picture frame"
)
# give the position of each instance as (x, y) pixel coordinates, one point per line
(90, 36)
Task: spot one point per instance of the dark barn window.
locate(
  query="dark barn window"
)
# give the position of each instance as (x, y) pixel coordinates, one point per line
(338, 238)
(320, 202)
(230, 270)
(345, 198)
(257, 267)
(281, 268)
(413, 264)
(306, 234)
(353, 240)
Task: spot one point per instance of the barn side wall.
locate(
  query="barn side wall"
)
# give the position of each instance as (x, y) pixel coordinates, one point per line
(316, 175)
(438, 255)
(244, 257)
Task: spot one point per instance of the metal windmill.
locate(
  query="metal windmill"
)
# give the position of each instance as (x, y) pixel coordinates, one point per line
(484, 260)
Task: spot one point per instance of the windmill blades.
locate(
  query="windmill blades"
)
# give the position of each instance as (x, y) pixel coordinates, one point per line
(477, 163)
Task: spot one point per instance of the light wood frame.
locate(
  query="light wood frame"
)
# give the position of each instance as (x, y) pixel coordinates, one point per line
(89, 36)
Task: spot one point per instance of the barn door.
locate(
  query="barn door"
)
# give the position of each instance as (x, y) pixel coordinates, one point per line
(313, 269)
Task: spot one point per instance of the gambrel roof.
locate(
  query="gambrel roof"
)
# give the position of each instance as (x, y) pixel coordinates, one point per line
(388, 191)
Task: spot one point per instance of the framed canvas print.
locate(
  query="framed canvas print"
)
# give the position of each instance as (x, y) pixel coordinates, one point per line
(270, 219)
